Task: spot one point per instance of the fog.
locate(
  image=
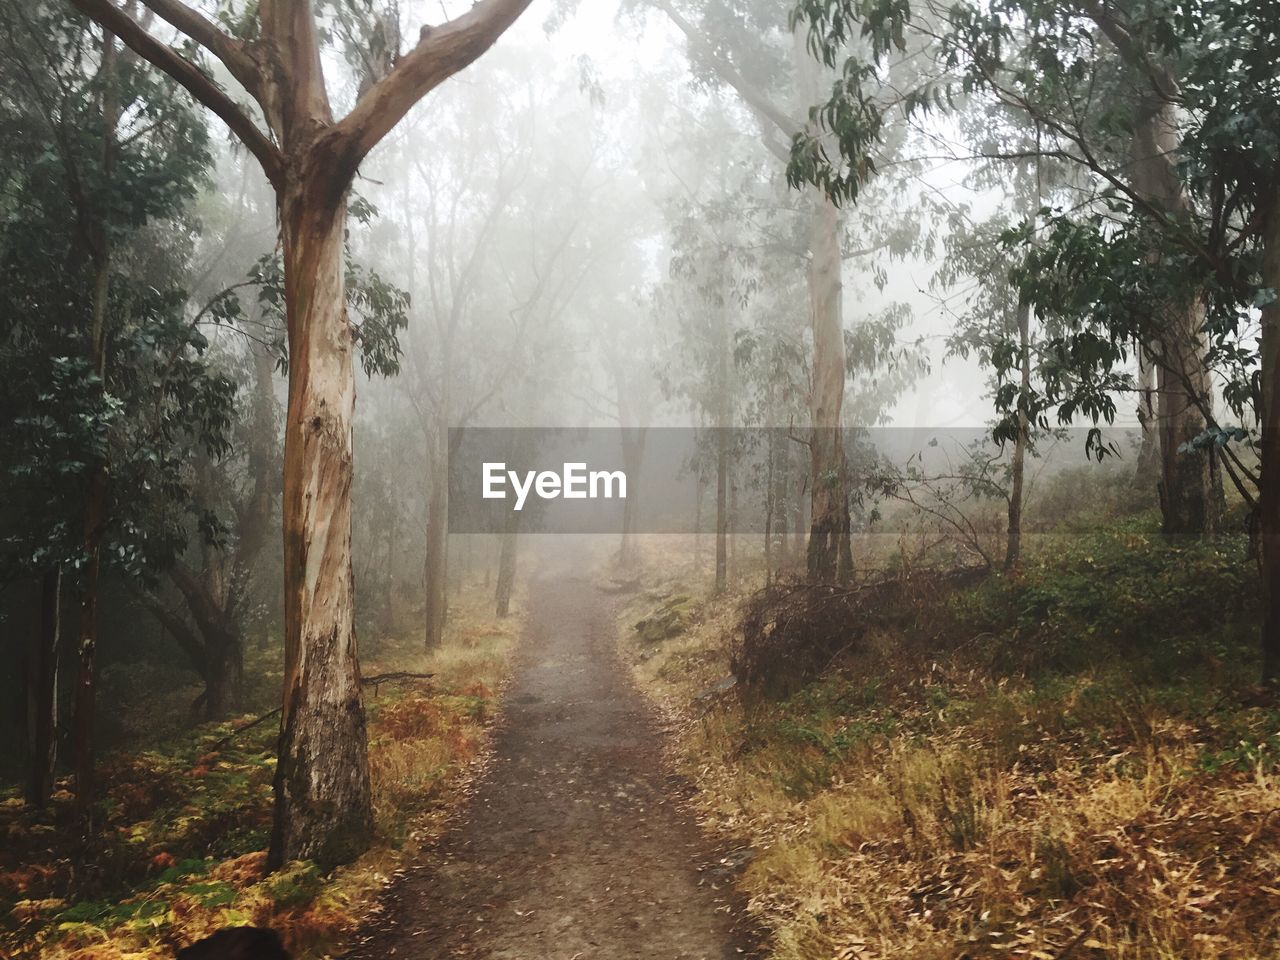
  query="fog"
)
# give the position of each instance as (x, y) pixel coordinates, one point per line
(410, 409)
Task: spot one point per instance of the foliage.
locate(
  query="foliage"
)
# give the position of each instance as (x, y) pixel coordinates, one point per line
(1102, 271)
(85, 207)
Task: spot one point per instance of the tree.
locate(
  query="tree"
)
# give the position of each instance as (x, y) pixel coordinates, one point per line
(107, 389)
(997, 319)
(323, 807)
(1100, 83)
(750, 47)
(1232, 90)
(732, 59)
(1187, 239)
(215, 578)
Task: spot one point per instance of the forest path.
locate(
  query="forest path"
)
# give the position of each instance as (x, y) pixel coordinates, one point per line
(575, 844)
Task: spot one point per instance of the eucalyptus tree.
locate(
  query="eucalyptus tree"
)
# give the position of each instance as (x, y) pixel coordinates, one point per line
(618, 384)
(772, 367)
(628, 358)
(272, 51)
(1184, 230)
(744, 45)
(1232, 90)
(996, 319)
(1099, 85)
(749, 46)
(714, 274)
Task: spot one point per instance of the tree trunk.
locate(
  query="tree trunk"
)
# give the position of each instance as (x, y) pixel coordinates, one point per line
(95, 508)
(436, 568)
(1186, 482)
(830, 553)
(254, 520)
(1013, 547)
(722, 449)
(633, 439)
(781, 498)
(388, 595)
(87, 670)
(697, 524)
(1188, 504)
(1269, 486)
(221, 661)
(802, 505)
(95, 518)
(722, 508)
(770, 499)
(507, 564)
(732, 525)
(323, 807)
(1146, 473)
(42, 691)
(223, 681)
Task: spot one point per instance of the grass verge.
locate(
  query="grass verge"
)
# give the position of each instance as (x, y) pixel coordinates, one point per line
(185, 823)
(1066, 762)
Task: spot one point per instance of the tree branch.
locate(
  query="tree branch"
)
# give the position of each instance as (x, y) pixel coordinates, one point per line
(205, 32)
(440, 53)
(750, 94)
(204, 90)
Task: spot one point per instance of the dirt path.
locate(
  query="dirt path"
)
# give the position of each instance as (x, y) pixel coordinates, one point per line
(576, 845)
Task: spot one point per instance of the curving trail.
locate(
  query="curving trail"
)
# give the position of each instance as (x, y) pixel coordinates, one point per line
(576, 845)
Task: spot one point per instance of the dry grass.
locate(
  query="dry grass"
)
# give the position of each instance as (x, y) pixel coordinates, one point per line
(426, 743)
(921, 804)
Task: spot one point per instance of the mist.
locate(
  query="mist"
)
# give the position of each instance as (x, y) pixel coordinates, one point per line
(655, 478)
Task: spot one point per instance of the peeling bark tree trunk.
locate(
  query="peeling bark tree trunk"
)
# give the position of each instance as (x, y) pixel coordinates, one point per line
(323, 809)
(1187, 500)
(42, 691)
(830, 552)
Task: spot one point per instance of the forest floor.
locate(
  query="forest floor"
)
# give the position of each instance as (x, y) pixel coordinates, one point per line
(185, 813)
(1070, 761)
(576, 843)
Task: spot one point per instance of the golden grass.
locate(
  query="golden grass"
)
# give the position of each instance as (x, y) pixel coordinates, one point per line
(967, 815)
(425, 744)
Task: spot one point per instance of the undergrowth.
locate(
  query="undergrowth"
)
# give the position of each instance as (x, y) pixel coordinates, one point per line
(1070, 761)
(184, 824)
